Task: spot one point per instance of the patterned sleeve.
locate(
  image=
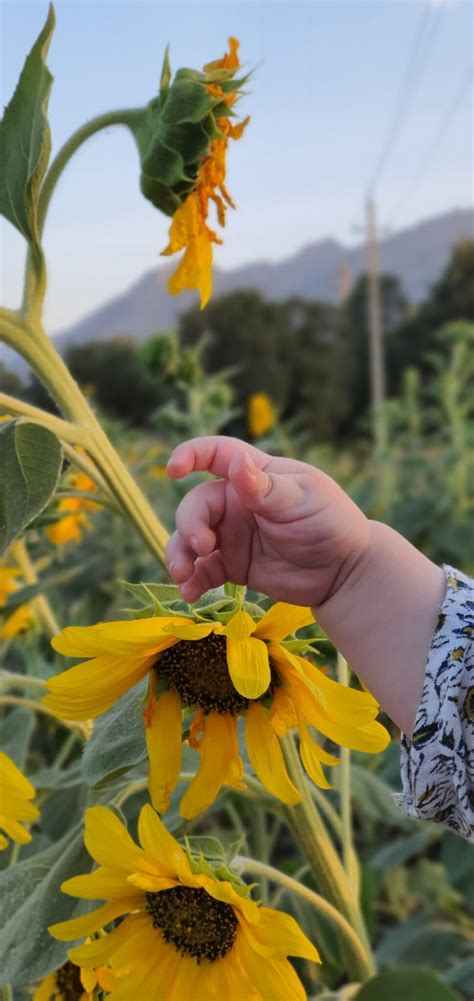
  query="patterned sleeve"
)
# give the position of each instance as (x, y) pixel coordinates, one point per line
(438, 762)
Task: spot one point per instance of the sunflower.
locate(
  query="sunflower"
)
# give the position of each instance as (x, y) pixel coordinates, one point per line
(189, 230)
(261, 414)
(21, 619)
(71, 511)
(15, 795)
(220, 671)
(74, 983)
(185, 932)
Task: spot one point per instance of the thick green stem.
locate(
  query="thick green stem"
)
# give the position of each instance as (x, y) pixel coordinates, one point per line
(344, 779)
(35, 276)
(326, 867)
(62, 429)
(322, 905)
(34, 345)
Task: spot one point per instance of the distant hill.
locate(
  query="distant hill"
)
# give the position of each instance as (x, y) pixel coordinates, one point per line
(417, 255)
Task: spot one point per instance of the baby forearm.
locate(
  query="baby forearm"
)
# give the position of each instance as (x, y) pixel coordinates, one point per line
(382, 620)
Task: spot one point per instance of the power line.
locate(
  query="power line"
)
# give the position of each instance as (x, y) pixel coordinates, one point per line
(428, 24)
(464, 85)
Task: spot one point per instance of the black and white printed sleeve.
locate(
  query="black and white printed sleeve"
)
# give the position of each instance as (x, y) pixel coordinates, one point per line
(438, 762)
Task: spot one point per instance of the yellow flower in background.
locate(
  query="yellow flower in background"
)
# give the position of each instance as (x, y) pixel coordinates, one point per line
(185, 934)
(73, 520)
(71, 983)
(21, 619)
(15, 807)
(220, 671)
(189, 230)
(261, 414)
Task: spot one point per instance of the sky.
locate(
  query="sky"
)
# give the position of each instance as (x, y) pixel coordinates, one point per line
(327, 75)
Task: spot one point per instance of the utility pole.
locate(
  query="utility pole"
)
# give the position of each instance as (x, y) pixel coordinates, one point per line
(376, 347)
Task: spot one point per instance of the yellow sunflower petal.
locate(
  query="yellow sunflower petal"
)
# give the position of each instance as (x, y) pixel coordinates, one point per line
(46, 988)
(3, 841)
(110, 844)
(348, 704)
(161, 846)
(14, 830)
(88, 978)
(249, 666)
(88, 923)
(195, 268)
(90, 689)
(216, 752)
(277, 935)
(224, 891)
(12, 778)
(105, 978)
(99, 951)
(281, 620)
(120, 637)
(192, 630)
(163, 741)
(239, 627)
(102, 884)
(266, 755)
(275, 979)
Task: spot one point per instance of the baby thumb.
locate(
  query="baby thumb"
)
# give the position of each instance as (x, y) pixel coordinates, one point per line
(263, 493)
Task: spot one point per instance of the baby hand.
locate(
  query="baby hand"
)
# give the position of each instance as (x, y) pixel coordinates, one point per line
(280, 526)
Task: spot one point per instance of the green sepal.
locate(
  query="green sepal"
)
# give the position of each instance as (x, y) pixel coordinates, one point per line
(212, 861)
(165, 75)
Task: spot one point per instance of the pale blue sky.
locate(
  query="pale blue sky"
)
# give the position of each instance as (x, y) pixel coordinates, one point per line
(325, 86)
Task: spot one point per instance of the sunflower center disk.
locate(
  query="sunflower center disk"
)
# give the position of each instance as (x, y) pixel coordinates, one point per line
(198, 670)
(193, 921)
(68, 982)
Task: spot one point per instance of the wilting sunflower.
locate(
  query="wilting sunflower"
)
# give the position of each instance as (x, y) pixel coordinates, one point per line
(187, 933)
(21, 619)
(74, 983)
(189, 230)
(261, 415)
(221, 671)
(15, 807)
(71, 511)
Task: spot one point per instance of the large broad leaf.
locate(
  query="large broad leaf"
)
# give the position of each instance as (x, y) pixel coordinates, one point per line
(118, 738)
(30, 464)
(406, 985)
(30, 900)
(25, 139)
(15, 733)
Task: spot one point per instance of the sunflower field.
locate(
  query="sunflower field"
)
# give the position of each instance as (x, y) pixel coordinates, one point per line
(197, 796)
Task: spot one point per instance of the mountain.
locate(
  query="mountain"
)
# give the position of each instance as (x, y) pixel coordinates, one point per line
(417, 255)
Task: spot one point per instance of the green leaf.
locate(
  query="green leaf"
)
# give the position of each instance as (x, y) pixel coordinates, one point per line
(15, 733)
(118, 738)
(58, 579)
(421, 941)
(372, 798)
(411, 985)
(25, 139)
(30, 900)
(30, 460)
(402, 849)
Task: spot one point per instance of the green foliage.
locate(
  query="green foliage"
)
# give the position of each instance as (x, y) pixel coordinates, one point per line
(409, 985)
(25, 139)
(30, 459)
(118, 739)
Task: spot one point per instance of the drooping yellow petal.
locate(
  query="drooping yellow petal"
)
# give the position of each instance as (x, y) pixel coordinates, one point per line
(163, 731)
(347, 704)
(139, 636)
(216, 752)
(12, 778)
(14, 830)
(249, 666)
(282, 713)
(281, 620)
(195, 269)
(90, 689)
(160, 846)
(88, 978)
(266, 756)
(88, 923)
(224, 891)
(277, 935)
